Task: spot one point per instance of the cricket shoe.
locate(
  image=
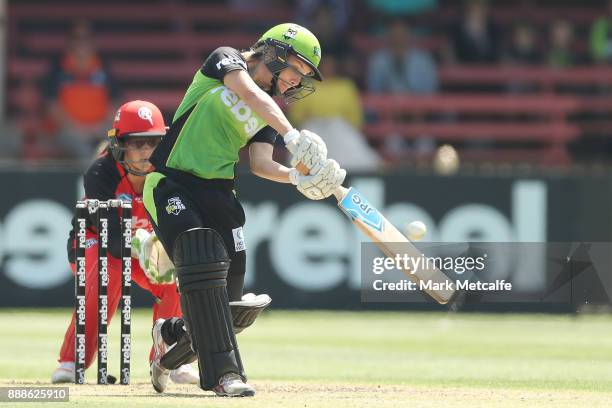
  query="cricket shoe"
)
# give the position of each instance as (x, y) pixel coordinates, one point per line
(231, 385)
(159, 374)
(185, 374)
(64, 373)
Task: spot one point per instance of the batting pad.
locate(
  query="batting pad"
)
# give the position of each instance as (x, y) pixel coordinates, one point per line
(245, 311)
(202, 263)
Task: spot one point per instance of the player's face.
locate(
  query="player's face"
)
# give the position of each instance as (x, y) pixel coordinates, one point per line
(138, 150)
(292, 76)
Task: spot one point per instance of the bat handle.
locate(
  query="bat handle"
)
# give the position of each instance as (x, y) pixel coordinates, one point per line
(339, 192)
(302, 169)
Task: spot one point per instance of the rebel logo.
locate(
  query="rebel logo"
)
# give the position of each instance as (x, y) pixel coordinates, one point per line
(127, 232)
(103, 311)
(104, 232)
(126, 348)
(103, 348)
(80, 348)
(104, 271)
(126, 311)
(127, 271)
(81, 271)
(81, 310)
(82, 234)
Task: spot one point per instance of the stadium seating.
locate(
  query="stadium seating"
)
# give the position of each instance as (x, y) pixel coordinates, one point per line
(154, 50)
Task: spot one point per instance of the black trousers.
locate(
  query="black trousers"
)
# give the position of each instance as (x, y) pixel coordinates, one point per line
(181, 206)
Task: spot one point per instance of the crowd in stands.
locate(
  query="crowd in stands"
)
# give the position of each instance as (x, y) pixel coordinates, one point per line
(370, 48)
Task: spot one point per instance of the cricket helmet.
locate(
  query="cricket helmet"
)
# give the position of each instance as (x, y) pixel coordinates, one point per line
(290, 39)
(134, 119)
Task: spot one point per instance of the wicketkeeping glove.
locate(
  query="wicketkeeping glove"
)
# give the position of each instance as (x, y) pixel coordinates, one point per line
(152, 257)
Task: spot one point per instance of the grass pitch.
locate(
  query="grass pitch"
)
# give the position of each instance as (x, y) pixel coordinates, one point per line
(339, 359)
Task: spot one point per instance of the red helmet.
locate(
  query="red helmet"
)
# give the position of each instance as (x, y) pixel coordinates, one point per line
(138, 118)
(134, 119)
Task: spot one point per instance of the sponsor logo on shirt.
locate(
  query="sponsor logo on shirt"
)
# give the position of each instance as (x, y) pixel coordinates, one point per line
(231, 60)
(241, 111)
(125, 197)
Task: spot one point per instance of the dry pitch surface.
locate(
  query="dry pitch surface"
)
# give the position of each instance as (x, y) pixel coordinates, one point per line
(323, 359)
(296, 394)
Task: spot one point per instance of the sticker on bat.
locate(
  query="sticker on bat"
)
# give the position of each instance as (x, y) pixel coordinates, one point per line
(357, 207)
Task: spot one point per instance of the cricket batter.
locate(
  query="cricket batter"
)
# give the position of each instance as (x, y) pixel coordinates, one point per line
(190, 198)
(119, 172)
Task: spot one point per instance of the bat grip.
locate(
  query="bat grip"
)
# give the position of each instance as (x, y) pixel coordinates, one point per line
(302, 169)
(339, 192)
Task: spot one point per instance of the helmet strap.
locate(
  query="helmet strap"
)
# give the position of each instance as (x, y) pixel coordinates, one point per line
(117, 149)
(127, 168)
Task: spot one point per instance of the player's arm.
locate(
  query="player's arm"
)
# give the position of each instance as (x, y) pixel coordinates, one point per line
(263, 165)
(315, 187)
(227, 65)
(100, 182)
(240, 82)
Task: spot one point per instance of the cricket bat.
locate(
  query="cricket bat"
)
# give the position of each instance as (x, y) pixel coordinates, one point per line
(388, 239)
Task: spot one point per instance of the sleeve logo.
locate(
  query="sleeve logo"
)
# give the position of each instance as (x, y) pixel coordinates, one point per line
(231, 60)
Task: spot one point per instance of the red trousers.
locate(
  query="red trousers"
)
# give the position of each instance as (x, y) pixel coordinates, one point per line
(167, 302)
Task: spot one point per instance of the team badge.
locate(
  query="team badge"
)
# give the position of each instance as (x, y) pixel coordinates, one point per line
(290, 34)
(175, 206)
(316, 51)
(145, 113)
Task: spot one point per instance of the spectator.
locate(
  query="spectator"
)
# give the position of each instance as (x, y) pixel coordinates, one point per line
(339, 10)
(523, 49)
(334, 111)
(561, 39)
(332, 35)
(28, 134)
(601, 37)
(80, 95)
(12, 134)
(401, 68)
(334, 38)
(402, 7)
(476, 38)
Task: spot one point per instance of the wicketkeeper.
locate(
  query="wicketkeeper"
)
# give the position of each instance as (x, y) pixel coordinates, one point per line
(119, 172)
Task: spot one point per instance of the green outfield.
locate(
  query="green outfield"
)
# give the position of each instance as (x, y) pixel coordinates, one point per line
(337, 359)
